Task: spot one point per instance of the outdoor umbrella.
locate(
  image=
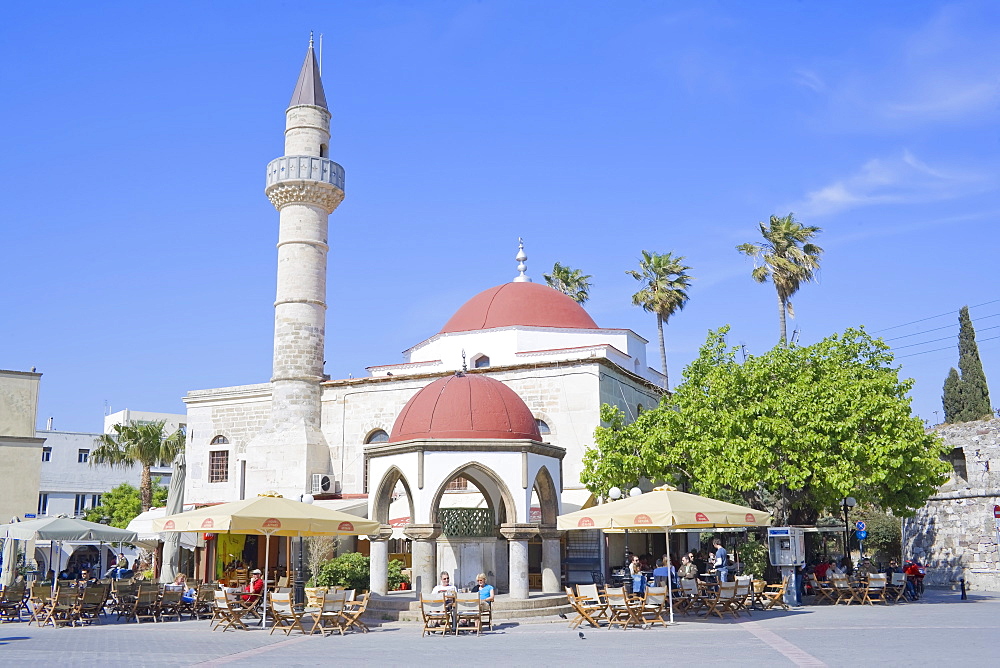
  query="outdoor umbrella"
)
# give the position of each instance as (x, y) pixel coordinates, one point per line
(175, 505)
(142, 525)
(9, 557)
(270, 516)
(661, 510)
(65, 529)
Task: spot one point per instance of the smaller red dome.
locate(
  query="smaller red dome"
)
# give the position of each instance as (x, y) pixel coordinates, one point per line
(465, 406)
(525, 304)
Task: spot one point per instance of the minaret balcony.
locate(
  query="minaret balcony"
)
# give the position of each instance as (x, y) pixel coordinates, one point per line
(304, 168)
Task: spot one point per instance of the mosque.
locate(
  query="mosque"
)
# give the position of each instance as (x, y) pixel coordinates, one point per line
(466, 450)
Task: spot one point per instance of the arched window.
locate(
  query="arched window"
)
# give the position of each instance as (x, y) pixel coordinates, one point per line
(543, 428)
(377, 436)
(481, 362)
(220, 440)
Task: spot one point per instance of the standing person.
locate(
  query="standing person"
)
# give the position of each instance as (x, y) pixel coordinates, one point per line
(721, 560)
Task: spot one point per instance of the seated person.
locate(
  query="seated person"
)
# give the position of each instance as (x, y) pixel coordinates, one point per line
(447, 591)
(486, 591)
(255, 586)
(86, 578)
(189, 594)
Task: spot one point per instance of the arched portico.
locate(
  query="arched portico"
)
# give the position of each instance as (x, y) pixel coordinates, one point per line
(495, 467)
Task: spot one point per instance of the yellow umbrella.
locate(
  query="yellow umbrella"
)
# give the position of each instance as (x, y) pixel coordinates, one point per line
(270, 516)
(663, 509)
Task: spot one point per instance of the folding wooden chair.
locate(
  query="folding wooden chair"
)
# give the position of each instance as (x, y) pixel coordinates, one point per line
(585, 609)
(353, 611)
(775, 594)
(331, 614)
(592, 597)
(284, 614)
(843, 589)
(12, 602)
(895, 590)
(724, 601)
(146, 604)
(437, 618)
(875, 591)
(92, 604)
(744, 597)
(622, 610)
(38, 603)
(468, 613)
(688, 597)
(64, 608)
(227, 616)
(170, 604)
(654, 605)
(824, 592)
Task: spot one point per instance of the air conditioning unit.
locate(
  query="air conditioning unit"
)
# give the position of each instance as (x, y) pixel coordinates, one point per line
(322, 483)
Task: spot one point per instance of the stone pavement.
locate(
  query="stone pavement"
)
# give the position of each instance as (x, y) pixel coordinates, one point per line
(941, 629)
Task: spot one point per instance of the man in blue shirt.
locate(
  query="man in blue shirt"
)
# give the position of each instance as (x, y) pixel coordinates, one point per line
(721, 560)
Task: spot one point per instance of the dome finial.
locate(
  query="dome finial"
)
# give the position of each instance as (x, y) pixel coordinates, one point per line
(521, 267)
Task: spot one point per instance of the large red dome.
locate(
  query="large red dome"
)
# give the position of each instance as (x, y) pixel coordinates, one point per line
(528, 304)
(465, 406)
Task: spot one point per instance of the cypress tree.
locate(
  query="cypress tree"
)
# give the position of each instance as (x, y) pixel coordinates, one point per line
(951, 400)
(966, 398)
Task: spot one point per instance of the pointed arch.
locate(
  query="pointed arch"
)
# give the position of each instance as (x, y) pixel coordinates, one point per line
(548, 496)
(383, 495)
(485, 479)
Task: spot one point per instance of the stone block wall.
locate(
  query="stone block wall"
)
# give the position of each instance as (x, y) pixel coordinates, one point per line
(954, 534)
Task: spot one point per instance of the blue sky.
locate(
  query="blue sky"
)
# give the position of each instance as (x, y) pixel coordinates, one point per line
(139, 248)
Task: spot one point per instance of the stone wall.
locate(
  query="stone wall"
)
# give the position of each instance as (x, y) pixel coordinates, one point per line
(955, 534)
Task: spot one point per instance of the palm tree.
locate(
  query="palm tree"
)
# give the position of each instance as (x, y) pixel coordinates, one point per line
(787, 258)
(665, 283)
(142, 443)
(572, 282)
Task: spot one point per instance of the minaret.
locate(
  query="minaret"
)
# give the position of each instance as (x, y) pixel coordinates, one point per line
(305, 186)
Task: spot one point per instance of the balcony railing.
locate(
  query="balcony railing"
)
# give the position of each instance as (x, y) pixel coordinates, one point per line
(304, 168)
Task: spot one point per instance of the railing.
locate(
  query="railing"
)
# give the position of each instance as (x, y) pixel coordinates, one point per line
(304, 168)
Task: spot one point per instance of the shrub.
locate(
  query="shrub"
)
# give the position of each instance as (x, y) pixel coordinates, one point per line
(754, 556)
(350, 571)
(396, 575)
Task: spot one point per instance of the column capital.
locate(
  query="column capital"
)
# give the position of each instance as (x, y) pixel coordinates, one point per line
(549, 532)
(384, 533)
(517, 531)
(422, 531)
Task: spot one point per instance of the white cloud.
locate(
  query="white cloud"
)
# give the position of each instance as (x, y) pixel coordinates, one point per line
(898, 180)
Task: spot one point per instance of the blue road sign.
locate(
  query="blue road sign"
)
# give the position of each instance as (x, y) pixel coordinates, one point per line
(861, 534)
(860, 526)
(29, 516)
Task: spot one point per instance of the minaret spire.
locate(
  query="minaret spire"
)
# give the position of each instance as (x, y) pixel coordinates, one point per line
(309, 88)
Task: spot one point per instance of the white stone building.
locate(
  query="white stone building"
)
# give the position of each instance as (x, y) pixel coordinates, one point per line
(304, 433)
(171, 421)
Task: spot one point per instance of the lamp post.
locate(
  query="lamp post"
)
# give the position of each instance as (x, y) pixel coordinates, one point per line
(300, 583)
(848, 503)
(614, 494)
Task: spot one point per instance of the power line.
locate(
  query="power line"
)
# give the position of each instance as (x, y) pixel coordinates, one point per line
(924, 352)
(945, 338)
(935, 329)
(940, 315)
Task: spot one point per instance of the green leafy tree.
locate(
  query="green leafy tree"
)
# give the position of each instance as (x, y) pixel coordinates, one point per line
(142, 444)
(571, 282)
(966, 397)
(665, 284)
(350, 571)
(122, 504)
(792, 431)
(787, 258)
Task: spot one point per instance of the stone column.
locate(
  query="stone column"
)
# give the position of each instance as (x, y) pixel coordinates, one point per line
(379, 560)
(517, 536)
(551, 560)
(424, 537)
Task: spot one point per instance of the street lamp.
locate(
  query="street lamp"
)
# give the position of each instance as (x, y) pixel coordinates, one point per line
(300, 584)
(848, 503)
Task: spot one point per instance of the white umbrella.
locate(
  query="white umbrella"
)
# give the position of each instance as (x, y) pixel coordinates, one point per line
(175, 505)
(9, 559)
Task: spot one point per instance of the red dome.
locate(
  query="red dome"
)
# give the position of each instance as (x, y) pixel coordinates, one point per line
(528, 304)
(465, 406)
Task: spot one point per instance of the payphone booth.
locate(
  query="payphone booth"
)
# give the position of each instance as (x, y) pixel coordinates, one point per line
(787, 549)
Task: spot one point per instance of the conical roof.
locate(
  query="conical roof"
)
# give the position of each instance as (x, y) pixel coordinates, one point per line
(309, 88)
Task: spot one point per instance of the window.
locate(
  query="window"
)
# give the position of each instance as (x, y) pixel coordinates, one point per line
(82, 456)
(95, 500)
(377, 436)
(46, 454)
(43, 504)
(218, 465)
(220, 440)
(543, 428)
(459, 484)
(80, 505)
(481, 362)
(959, 465)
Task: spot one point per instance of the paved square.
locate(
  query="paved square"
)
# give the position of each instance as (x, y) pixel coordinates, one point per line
(941, 629)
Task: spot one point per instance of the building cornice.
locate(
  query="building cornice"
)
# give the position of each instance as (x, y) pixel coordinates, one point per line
(466, 445)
